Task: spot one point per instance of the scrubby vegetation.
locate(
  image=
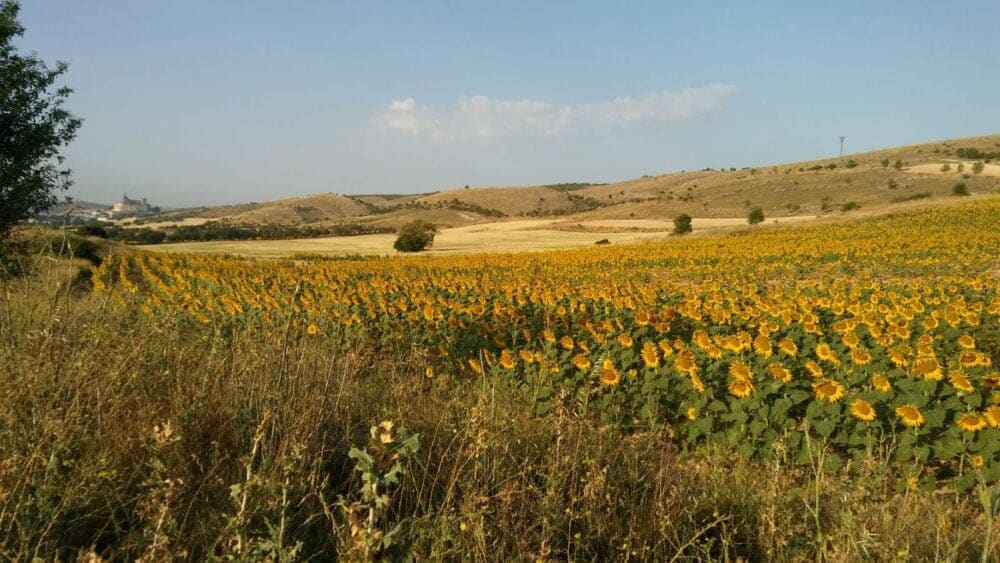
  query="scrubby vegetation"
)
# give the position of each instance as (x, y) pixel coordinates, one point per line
(222, 231)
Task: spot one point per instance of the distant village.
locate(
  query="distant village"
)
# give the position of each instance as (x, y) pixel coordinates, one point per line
(82, 212)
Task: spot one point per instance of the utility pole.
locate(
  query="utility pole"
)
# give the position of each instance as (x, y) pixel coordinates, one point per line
(842, 146)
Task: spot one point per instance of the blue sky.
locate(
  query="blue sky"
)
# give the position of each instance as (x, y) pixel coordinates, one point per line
(191, 103)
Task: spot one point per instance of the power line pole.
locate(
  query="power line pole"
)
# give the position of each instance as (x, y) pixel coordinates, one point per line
(842, 146)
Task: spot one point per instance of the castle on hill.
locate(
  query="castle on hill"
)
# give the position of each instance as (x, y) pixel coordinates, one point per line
(128, 207)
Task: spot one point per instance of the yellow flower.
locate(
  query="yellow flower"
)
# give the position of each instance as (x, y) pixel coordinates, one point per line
(779, 372)
(429, 372)
(740, 388)
(566, 342)
(967, 342)
(968, 359)
(862, 410)
(526, 356)
(739, 371)
(813, 368)
(880, 383)
(696, 382)
(826, 354)
(476, 366)
(581, 362)
(692, 413)
(548, 335)
(650, 356)
(928, 368)
(850, 340)
(960, 382)
(625, 340)
(977, 460)
(788, 347)
(507, 359)
(861, 357)
(609, 375)
(762, 345)
(993, 416)
(910, 415)
(828, 390)
(971, 422)
(312, 330)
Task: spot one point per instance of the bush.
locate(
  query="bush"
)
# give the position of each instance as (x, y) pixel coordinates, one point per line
(960, 189)
(415, 236)
(682, 224)
(602, 242)
(849, 206)
(756, 216)
(945, 167)
(898, 164)
(77, 247)
(851, 164)
(885, 163)
(977, 167)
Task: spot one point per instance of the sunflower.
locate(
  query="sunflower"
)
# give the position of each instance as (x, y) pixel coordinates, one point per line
(548, 336)
(851, 340)
(581, 362)
(476, 366)
(650, 356)
(714, 352)
(691, 413)
(993, 416)
(684, 364)
(880, 383)
(992, 380)
(762, 345)
(779, 372)
(971, 422)
(526, 356)
(861, 357)
(910, 415)
(566, 342)
(977, 460)
(960, 382)
(862, 410)
(739, 371)
(312, 330)
(814, 369)
(788, 347)
(625, 340)
(696, 382)
(609, 375)
(929, 368)
(507, 359)
(828, 390)
(966, 342)
(429, 372)
(968, 359)
(740, 388)
(826, 354)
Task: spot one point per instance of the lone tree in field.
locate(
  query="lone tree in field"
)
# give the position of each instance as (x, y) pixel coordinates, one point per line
(756, 216)
(682, 224)
(415, 236)
(977, 167)
(34, 126)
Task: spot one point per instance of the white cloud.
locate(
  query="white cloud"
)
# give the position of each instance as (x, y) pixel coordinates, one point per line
(480, 118)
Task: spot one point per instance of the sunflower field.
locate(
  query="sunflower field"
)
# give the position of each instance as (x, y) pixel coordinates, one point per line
(880, 335)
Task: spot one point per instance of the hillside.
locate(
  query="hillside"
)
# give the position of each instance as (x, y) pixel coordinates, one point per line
(870, 180)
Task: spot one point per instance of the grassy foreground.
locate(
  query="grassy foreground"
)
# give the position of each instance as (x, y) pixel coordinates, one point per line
(126, 435)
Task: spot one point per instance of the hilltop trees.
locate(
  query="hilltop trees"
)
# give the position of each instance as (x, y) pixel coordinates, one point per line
(34, 127)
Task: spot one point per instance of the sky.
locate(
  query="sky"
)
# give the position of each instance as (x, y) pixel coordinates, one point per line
(202, 103)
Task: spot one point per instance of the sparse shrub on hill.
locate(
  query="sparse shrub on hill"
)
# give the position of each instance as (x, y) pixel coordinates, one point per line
(977, 167)
(756, 216)
(898, 164)
(682, 224)
(960, 189)
(885, 163)
(945, 167)
(849, 206)
(851, 164)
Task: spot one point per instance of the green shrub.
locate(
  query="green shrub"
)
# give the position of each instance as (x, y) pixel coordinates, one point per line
(756, 216)
(898, 164)
(75, 246)
(849, 206)
(415, 236)
(945, 167)
(682, 224)
(977, 167)
(602, 242)
(885, 163)
(960, 189)
(851, 163)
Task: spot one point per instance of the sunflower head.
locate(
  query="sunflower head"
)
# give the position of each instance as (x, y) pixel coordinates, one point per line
(609, 375)
(971, 422)
(740, 388)
(739, 371)
(862, 410)
(691, 413)
(581, 362)
(910, 415)
(828, 390)
(881, 383)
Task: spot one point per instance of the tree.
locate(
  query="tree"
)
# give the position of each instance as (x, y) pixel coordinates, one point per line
(756, 216)
(977, 167)
(682, 224)
(34, 126)
(415, 236)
